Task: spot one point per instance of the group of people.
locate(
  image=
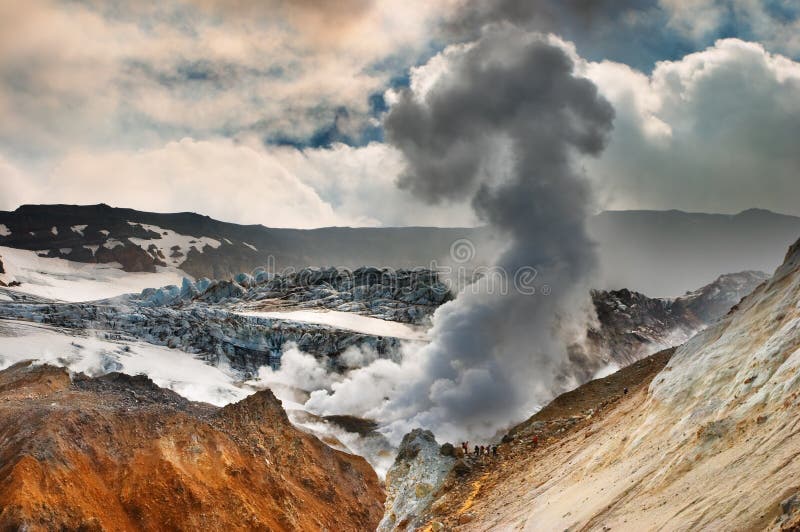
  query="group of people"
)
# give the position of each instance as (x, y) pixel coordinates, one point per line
(480, 450)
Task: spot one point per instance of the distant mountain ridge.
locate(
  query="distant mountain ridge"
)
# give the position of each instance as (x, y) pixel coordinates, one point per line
(92, 233)
(661, 253)
(666, 253)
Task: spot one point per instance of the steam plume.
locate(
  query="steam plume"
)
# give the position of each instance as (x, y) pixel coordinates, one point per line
(515, 93)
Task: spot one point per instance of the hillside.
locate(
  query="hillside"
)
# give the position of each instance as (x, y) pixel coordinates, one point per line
(711, 442)
(119, 453)
(660, 253)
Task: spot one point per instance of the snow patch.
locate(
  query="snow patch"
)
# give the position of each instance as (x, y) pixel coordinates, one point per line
(78, 229)
(347, 321)
(54, 230)
(251, 246)
(174, 246)
(105, 232)
(4, 230)
(111, 243)
(67, 280)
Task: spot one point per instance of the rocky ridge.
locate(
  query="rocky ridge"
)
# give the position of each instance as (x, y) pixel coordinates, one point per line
(119, 453)
(407, 296)
(656, 252)
(631, 326)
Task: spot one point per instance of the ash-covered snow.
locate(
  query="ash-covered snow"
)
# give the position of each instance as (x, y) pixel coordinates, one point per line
(79, 229)
(66, 280)
(174, 246)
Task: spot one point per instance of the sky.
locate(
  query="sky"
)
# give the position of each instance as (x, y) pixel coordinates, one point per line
(278, 112)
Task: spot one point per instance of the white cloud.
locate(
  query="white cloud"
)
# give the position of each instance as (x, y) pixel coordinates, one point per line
(241, 182)
(226, 180)
(701, 19)
(81, 74)
(715, 131)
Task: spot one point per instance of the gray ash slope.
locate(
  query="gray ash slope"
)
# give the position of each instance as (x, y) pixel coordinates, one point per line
(663, 253)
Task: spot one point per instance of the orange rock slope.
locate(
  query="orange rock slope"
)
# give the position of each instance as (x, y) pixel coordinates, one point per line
(119, 453)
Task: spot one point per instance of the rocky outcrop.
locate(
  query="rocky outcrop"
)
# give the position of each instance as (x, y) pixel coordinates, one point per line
(119, 453)
(414, 480)
(631, 326)
(712, 301)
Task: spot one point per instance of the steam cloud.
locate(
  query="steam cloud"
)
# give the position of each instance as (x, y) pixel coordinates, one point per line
(498, 126)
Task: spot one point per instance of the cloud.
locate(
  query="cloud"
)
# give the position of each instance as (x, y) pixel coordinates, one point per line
(221, 178)
(639, 32)
(243, 182)
(713, 132)
(775, 23)
(100, 74)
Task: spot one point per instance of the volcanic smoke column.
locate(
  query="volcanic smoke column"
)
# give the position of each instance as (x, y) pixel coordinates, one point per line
(499, 122)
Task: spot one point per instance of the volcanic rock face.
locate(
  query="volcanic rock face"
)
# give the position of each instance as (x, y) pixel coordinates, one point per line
(632, 325)
(413, 480)
(119, 453)
(710, 443)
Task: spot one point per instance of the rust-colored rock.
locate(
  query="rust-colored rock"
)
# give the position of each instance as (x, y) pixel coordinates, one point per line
(120, 453)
